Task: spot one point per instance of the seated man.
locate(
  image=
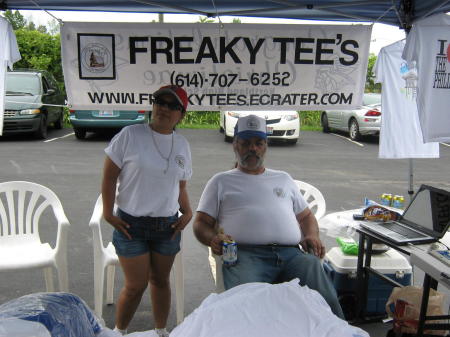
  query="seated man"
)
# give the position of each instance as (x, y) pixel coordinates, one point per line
(264, 212)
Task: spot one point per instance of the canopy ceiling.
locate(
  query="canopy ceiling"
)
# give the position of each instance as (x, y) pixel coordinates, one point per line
(399, 13)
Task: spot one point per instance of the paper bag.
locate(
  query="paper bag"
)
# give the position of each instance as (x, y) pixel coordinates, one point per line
(407, 301)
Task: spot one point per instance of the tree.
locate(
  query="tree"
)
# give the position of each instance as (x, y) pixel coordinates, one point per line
(371, 86)
(40, 51)
(16, 19)
(236, 20)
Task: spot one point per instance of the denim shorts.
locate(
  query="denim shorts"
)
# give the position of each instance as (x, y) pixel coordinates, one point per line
(147, 234)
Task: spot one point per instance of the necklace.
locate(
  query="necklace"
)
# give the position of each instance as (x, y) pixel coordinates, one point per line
(159, 151)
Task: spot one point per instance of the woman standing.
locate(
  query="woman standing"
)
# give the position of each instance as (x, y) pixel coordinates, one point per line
(152, 163)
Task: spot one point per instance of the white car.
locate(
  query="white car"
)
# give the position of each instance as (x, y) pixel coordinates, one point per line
(281, 125)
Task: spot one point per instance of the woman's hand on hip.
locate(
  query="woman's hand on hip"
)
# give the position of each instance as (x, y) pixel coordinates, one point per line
(181, 223)
(119, 225)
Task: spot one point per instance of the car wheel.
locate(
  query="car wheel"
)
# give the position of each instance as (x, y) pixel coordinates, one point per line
(80, 133)
(59, 123)
(226, 138)
(324, 120)
(354, 130)
(41, 132)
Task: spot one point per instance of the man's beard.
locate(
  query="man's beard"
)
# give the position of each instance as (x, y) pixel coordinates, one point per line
(243, 160)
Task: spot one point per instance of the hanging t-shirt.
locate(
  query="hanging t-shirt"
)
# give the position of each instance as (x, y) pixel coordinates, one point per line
(428, 43)
(400, 135)
(9, 53)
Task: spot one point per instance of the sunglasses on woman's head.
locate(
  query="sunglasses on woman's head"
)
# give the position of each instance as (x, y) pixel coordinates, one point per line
(170, 105)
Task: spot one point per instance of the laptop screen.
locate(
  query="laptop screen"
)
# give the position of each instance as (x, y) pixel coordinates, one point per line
(429, 211)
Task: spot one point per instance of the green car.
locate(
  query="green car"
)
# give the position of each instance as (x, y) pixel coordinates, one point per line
(97, 120)
(33, 101)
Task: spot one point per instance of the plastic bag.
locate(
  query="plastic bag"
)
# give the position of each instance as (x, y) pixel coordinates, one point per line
(380, 213)
(407, 302)
(62, 314)
(348, 245)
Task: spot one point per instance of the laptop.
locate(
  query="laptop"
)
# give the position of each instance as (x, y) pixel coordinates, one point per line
(425, 220)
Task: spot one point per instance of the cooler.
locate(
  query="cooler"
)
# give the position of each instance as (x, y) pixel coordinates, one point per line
(341, 269)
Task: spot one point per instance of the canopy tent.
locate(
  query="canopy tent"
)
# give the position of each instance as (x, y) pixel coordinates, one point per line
(400, 13)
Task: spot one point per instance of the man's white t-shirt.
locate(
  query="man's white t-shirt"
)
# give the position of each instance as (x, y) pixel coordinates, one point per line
(144, 189)
(9, 53)
(428, 43)
(255, 209)
(401, 135)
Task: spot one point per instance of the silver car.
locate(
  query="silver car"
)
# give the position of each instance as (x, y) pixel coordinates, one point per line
(359, 122)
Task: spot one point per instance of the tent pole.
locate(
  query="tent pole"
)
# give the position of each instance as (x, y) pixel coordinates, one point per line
(411, 188)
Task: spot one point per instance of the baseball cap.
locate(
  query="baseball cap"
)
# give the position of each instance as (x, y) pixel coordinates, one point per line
(178, 92)
(251, 126)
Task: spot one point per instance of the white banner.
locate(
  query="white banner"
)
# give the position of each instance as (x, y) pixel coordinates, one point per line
(227, 67)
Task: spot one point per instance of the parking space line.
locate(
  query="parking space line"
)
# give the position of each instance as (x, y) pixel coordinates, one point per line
(352, 141)
(51, 140)
(445, 144)
(16, 166)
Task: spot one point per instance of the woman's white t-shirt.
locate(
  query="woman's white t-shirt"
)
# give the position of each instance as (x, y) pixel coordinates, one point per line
(144, 189)
(255, 209)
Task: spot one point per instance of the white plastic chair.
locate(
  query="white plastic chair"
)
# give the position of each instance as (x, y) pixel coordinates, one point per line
(21, 205)
(314, 198)
(105, 260)
(316, 203)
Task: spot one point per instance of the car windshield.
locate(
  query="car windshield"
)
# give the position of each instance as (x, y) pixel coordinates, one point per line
(22, 84)
(371, 99)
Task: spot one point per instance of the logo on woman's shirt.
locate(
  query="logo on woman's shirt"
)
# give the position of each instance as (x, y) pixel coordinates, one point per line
(180, 160)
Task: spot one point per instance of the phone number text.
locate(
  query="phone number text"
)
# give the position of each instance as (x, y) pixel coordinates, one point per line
(199, 80)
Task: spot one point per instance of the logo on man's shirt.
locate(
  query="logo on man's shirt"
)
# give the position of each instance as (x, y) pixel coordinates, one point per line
(279, 192)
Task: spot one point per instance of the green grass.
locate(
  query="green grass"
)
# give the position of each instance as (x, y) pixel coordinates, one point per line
(198, 126)
(310, 128)
(310, 120)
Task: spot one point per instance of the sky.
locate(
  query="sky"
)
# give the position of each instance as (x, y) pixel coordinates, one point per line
(382, 35)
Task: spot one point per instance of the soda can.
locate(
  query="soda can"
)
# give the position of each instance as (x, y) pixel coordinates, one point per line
(229, 255)
(398, 201)
(386, 199)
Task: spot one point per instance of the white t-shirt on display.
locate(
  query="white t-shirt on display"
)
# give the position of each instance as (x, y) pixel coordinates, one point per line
(428, 43)
(144, 189)
(400, 135)
(265, 310)
(9, 53)
(255, 209)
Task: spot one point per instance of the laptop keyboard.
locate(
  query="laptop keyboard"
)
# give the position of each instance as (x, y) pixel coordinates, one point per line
(402, 230)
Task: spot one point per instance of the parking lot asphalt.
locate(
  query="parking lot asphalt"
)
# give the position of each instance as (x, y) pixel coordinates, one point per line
(345, 172)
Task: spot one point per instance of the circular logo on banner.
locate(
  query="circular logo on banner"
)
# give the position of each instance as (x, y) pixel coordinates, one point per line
(96, 57)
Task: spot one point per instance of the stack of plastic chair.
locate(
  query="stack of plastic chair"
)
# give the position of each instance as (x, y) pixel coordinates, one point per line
(22, 204)
(105, 261)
